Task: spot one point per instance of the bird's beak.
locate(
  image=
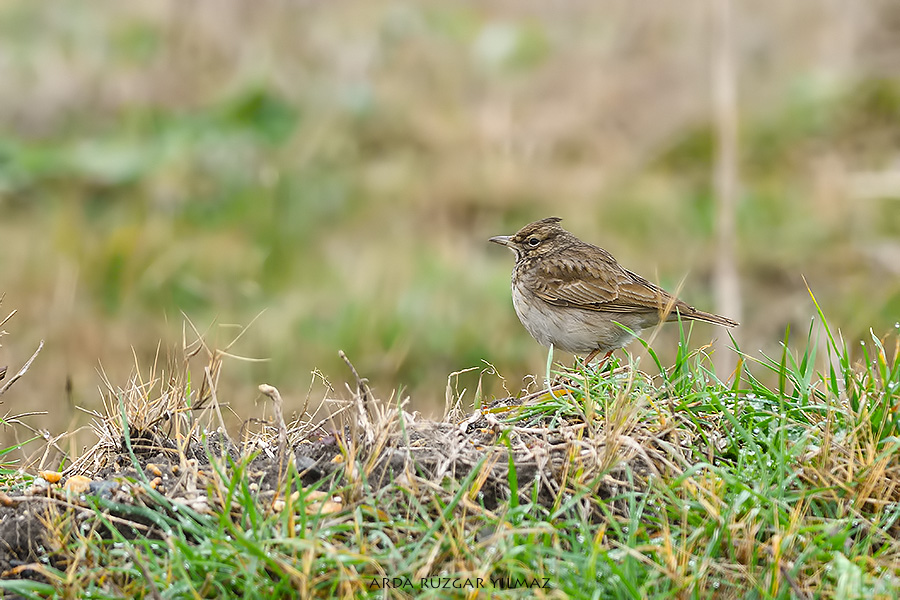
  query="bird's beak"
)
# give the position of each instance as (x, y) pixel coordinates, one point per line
(503, 240)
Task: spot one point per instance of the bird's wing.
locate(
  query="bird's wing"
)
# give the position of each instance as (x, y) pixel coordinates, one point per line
(600, 285)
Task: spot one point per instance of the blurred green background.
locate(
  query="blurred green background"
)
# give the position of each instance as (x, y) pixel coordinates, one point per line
(340, 165)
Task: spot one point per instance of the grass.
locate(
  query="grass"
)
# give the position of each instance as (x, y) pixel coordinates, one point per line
(676, 482)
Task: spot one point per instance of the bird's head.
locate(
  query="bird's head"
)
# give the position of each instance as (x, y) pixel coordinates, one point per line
(535, 239)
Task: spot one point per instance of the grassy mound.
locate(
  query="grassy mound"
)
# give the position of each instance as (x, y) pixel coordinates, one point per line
(611, 482)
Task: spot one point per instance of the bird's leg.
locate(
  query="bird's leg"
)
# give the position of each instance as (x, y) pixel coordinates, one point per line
(593, 354)
(603, 361)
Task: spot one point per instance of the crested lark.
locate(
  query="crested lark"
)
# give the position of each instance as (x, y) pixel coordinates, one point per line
(574, 295)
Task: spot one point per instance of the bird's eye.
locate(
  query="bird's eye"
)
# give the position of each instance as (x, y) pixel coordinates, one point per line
(533, 242)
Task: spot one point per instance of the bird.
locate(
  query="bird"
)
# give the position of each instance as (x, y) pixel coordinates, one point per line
(576, 297)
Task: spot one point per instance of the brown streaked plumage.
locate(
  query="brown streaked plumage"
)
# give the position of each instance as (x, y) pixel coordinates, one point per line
(572, 294)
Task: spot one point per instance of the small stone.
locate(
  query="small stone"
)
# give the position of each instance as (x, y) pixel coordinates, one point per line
(78, 484)
(51, 476)
(104, 489)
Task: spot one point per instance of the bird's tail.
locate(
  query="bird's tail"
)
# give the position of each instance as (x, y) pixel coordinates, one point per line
(690, 313)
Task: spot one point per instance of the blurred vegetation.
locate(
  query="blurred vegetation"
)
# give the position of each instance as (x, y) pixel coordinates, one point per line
(339, 166)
